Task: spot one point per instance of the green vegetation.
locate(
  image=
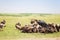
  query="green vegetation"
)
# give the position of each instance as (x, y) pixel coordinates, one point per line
(10, 32)
(22, 14)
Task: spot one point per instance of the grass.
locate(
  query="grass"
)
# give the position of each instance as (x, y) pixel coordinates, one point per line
(10, 32)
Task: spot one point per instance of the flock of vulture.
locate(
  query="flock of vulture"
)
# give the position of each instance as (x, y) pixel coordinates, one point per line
(35, 26)
(38, 26)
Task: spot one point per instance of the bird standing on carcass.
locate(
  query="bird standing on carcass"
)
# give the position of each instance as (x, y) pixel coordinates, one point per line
(36, 26)
(42, 25)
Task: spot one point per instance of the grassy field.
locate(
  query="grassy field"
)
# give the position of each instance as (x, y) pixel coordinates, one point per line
(10, 32)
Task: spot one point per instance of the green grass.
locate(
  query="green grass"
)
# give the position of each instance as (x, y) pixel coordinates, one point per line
(10, 31)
